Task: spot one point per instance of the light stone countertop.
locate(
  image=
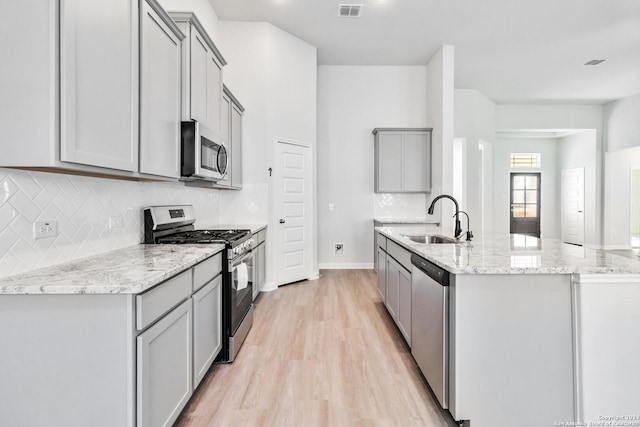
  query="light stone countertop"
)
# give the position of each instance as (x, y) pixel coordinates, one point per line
(388, 220)
(494, 253)
(130, 270)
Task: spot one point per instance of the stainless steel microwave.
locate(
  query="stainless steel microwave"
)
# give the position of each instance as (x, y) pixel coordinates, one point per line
(204, 155)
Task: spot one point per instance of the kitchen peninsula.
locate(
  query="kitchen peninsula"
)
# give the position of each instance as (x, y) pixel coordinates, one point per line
(90, 342)
(540, 332)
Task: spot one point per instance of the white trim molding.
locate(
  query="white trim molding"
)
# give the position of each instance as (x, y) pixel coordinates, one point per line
(346, 266)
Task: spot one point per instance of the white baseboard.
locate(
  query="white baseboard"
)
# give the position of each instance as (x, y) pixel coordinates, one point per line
(346, 266)
(268, 287)
(616, 247)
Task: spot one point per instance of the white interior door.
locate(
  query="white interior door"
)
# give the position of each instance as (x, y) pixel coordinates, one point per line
(573, 206)
(293, 189)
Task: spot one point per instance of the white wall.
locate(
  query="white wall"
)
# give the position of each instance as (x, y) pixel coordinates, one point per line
(475, 122)
(82, 207)
(550, 193)
(440, 116)
(273, 75)
(618, 166)
(622, 123)
(352, 101)
(578, 151)
(540, 117)
(623, 143)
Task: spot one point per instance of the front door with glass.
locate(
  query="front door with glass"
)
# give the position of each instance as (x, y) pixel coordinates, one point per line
(525, 204)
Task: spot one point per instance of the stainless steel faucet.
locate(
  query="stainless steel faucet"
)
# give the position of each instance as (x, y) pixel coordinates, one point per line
(458, 230)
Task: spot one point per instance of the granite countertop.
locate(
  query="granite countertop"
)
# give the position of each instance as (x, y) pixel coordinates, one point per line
(495, 253)
(130, 270)
(388, 220)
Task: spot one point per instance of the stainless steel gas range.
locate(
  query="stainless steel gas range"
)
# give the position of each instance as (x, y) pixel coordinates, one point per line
(175, 225)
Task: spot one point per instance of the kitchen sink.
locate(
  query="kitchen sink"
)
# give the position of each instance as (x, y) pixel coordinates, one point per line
(430, 238)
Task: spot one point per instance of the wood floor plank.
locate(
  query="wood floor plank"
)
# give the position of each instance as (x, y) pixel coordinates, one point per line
(320, 353)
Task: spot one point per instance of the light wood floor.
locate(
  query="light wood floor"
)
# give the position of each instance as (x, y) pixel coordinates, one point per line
(320, 353)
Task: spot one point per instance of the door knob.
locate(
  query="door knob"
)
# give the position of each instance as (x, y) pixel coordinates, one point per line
(282, 221)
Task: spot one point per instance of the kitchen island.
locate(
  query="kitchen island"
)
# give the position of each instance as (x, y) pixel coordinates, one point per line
(117, 339)
(539, 332)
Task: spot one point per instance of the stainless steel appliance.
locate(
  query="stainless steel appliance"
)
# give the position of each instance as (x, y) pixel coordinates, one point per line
(175, 225)
(204, 155)
(430, 325)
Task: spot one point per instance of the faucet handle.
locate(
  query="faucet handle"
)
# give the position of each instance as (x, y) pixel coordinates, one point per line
(469, 235)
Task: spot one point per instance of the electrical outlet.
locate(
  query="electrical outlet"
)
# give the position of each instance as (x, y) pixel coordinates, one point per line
(330, 206)
(338, 249)
(45, 229)
(116, 221)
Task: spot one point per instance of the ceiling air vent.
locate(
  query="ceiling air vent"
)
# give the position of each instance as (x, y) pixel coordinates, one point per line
(349, 10)
(595, 62)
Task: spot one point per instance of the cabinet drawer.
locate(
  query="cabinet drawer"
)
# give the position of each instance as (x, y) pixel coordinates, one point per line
(206, 270)
(401, 255)
(381, 241)
(160, 299)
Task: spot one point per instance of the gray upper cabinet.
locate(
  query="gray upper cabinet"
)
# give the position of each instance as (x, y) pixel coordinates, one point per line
(234, 136)
(160, 41)
(231, 127)
(202, 65)
(99, 83)
(402, 160)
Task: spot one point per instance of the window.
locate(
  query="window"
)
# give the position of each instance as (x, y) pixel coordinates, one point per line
(525, 160)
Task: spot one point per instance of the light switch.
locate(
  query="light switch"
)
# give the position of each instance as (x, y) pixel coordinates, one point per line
(330, 206)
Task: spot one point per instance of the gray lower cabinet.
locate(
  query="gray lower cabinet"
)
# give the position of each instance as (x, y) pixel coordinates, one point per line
(207, 327)
(394, 283)
(259, 262)
(402, 160)
(115, 359)
(404, 303)
(164, 367)
(381, 257)
(393, 287)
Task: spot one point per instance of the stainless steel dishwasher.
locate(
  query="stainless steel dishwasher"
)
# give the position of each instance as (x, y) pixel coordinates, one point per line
(430, 325)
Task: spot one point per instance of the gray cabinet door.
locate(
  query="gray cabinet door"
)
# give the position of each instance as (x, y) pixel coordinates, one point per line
(99, 83)
(259, 267)
(164, 368)
(416, 162)
(199, 52)
(381, 258)
(402, 160)
(214, 92)
(206, 83)
(225, 128)
(404, 304)
(236, 146)
(207, 327)
(159, 96)
(393, 287)
(389, 162)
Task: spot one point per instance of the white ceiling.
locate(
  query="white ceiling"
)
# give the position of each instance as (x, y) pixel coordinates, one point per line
(510, 50)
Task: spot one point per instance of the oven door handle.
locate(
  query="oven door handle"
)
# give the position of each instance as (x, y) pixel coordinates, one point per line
(234, 263)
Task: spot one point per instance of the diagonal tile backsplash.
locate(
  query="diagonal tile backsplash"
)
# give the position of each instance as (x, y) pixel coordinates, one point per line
(82, 207)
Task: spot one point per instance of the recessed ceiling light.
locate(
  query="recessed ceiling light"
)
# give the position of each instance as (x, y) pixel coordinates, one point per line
(349, 10)
(595, 62)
